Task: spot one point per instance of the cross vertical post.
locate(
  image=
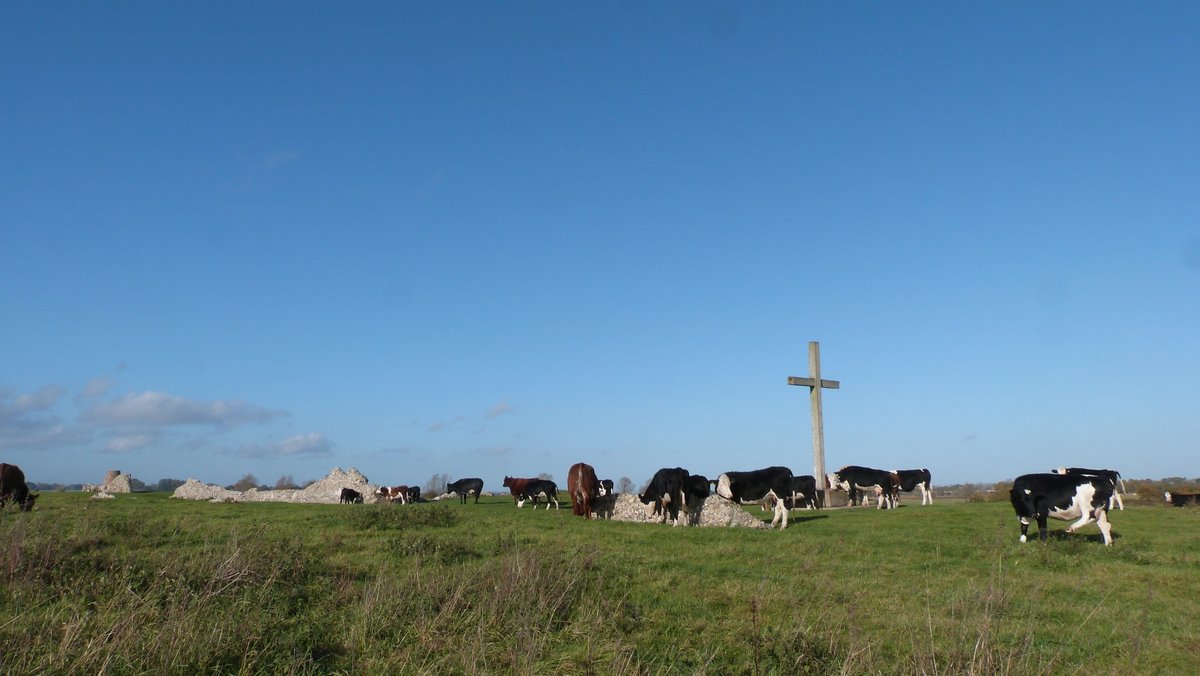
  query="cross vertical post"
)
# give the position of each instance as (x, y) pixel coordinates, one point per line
(815, 384)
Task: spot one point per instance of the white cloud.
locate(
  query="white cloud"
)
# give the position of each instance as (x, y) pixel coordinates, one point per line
(97, 387)
(124, 443)
(26, 422)
(440, 425)
(38, 401)
(312, 444)
(499, 409)
(161, 409)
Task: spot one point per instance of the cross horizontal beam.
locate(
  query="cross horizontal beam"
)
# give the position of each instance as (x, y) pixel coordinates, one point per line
(810, 382)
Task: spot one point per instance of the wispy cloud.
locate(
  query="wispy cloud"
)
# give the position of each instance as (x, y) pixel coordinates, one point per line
(499, 410)
(97, 387)
(313, 444)
(442, 425)
(277, 159)
(123, 443)
(26, 420)
(41, 400)
(161, 409)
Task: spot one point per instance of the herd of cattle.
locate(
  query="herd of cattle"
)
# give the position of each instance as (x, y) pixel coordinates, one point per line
(1067, 493)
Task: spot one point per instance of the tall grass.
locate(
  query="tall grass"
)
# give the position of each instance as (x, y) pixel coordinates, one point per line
(145, 584)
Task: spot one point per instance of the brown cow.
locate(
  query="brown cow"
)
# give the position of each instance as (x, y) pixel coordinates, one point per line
(582, 485)
(393, 493)
(13, 487)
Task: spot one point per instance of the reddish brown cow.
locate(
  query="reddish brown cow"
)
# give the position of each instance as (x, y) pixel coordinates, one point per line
(516, 486)
(12, 487)
(582, 485)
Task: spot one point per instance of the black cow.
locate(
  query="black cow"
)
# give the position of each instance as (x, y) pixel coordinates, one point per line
(1062, 496)
(805, 493)
(414, 494)
(1111, 474)
(13, 487)
(913, 479)
(349, 495)
(665, 491)
(1181, 499)
(853, 479)
(465, 487)
(537, 487)
(606, 488)
(770, 485)
(696, 489)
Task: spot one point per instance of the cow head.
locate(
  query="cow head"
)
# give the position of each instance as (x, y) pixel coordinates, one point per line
(1167, 495)
(835, 482)
(27, 504)
(507, 482)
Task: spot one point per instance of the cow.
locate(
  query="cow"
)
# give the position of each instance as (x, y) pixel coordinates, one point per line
(414, 494)
(697, 488)
(772, 485)
(853, 479)
(1181, 499)
(1111, 474)
(605, 488)
(13, 487)
(583, 486)
(913, 479)
(665, 492)
(393, 493)
(540, 487)
(805, 493)
(1062, 496)
(349, 495)
(465, 487)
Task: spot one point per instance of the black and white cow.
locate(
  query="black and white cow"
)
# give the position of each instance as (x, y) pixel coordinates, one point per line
(770, 485)
(666, 492)
(1181, 499)
(349, 495)
(854, 479)
(914, 479)
(539, 488)
(805, 493)
(605, 488)
(697, 488)
(464, 488)
(1062, 496)
(1111, 474)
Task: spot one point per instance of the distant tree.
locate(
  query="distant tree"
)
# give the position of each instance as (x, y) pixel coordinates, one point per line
(436, 485)
(546, 475)
(245, 483)
(137, 486)
(167, 485)
(625, 485)
(309, 483)
(285, 482)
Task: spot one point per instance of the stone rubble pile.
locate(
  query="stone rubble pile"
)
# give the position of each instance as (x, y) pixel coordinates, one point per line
(114, 482)
(711, 512)
(327, 490)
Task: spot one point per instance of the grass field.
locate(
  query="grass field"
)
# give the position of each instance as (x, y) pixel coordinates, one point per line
(146, 584)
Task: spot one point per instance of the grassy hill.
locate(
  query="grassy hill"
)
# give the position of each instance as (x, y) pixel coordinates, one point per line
(144, 583)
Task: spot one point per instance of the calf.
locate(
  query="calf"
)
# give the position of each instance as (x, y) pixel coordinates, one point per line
(393, 493)
(536, 488)
(1181, 499)
(805, 493)
(1111, 474)
(1062, 496)
(665, 492)
(349, 495)
(465, 487)
(853, 479)
(765, 486)
(583, 486)
(913, 479)
(13, 487)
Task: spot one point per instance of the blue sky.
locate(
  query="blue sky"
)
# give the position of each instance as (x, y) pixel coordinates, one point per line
(499, 238)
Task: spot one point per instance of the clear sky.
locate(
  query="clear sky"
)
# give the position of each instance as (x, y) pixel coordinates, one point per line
(499, 238)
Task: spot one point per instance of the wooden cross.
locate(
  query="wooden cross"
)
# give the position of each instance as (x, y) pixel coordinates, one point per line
(814, 383)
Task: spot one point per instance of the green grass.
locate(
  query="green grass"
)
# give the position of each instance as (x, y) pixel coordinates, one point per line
(144, 584)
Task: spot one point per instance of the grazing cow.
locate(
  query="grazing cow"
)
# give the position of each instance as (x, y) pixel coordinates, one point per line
(1181, 499)
(696, 489)
(516, 487)
(465, 487)
(913, 479)
(414, 494)
(1062, 496)
(665, 491)
(805, 494)
(1111, 474)
(605, 488)
(349, 495)
(583, 485)
(853, 479)
(772, 485)
(13, 487)
(393, 493)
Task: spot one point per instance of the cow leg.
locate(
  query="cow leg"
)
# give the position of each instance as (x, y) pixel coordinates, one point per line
(1024, 528)
(1042, 529)
(780, 512)
(1117, 496)
(1105, 527)
(1084, 519)
(521, 503)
